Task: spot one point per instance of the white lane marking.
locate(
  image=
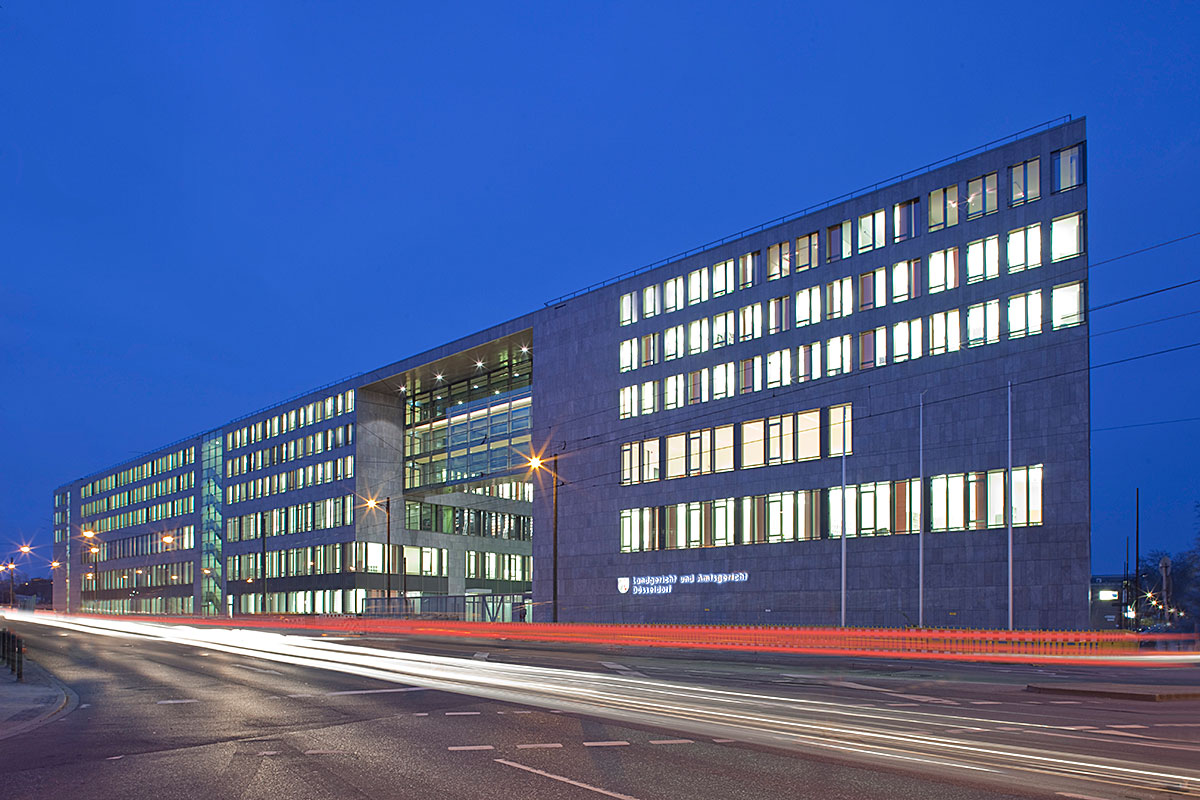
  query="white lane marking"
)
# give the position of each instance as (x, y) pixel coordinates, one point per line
(1125, 733)
(1065, 702)
(1079, 727)
(268, 752)
(613, 665)
(724, 741)
(672, 741)
(472, 747)
(114, 758)
(901, 705)
(538, 746)
(520, 712)
(1126, 726)
(421, 714)
(322, 752)
(481, 656)
(254, 669)
(173, 702)
(1175, 725)
(462, 713)
(986, 703)
(552, 776)
(376, 691)
(1079, 796)
(85, 705)
(605, 744)
(301, 695)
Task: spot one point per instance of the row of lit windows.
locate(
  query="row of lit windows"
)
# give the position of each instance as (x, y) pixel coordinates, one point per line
(282, 423)
(466, 521)
(869, 234)
(148, 469)
(143, 544)
(499, 566)
(941, 333)
(291, 480)
(173, 606)
(332, 512)
(781, 439)
(140, 516)
(775, 315)
(325, 559)
(370, 557)
(139, 577)
(301, 447)
(140, 494)
(959, 502)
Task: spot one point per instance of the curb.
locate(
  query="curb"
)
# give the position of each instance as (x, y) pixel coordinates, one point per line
(1153, 694)
(68, 702)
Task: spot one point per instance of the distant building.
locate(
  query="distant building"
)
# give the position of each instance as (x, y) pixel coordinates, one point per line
(702, 417)
(1107, 598)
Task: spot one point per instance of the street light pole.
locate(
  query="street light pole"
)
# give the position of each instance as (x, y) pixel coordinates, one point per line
(541, 463)
(262, 532)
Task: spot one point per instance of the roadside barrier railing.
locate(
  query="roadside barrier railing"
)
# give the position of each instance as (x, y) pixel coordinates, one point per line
(13, 649)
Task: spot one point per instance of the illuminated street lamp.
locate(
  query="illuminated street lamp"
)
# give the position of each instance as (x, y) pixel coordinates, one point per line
(372, 504)
(538, 463)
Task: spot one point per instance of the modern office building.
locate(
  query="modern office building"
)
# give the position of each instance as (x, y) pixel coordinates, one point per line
(844, 415)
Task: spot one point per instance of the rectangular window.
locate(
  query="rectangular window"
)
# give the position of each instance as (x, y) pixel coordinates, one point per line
(750, 322)
(1025, 248)
(722, 329)
(1068, 168)
(948, 502)
(781, 439)
(837, 241)
(650, 463)
(697, 286)
(747, 270)
(698, 336)
(673, 294)
(872, 231)
(628, 402)
(700, 452)
(673, 343)
(904, 219)
(631, 468)
(754, 444)
(806, 252)
(1025, 314)
(872, 348)
(943, 270)
(839, 298)
(779, 261)
(983, 323)
(837, 355)
(676, 456)
(808, 306)
(808, 435)
(872, 289)
(808, 362)
(943, 208)
(649, 397)
(985, 500)
(697, 391)
(778, 315)
(629, 355)
(651, 305)
(723, 448)
(945, 335)
(906, 340)
(841, 439)
(649, 349)
(674, 389)
(983, 259)
(779, 368)
(906, 280)
(722, 278)
(724, 382)
(1026, 182)
(1066, 237)
(1027, 495)
(750, 375)
(981, 196)
(1066, 305)
(628, 308)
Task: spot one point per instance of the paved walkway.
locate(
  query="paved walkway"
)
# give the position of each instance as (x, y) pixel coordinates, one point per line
(30, 703)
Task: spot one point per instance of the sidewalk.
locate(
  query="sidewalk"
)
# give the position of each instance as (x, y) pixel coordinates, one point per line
(33, 702)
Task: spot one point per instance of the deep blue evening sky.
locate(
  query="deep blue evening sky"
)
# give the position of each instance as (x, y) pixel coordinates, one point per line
(209, 207)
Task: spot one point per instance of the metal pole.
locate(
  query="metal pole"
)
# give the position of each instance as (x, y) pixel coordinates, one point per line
(403, 572)
(921, 533)
(554, 536)
(1137, 557)
(844, 526)
(262, 532)
(387, 558)
(1010, 511)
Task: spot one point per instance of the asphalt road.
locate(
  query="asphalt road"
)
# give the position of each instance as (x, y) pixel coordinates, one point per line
(161, 719)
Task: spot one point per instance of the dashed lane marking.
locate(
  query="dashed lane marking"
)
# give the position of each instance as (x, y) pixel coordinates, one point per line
(256, 669)
(481, 656)
(545, 746)
(421, 714)
(672, 741)
(1127, 726)
(175, 702)
(472, 747)
(563, 779)
(268, 752)
(114, 758)
(462, 713)
(322, 752)
(986, 703)
(377, 691)
(724, 741)
(606, 744)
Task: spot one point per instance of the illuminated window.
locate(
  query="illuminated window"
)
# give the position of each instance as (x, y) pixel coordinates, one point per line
(631, 468)
(651, 305)
(838, 242)
(674, 391)
(639, 529)
(841, 439)
(777, 314)
(808, 306)
(872, 231)
(839, 298)
(945, 335)
(943, 208)
(1066, 237)
(697, 286)
(650, 460)
(1066, 305)
(1026, 182)
(943, 270)
(1027, 495)
(872, 348)
(673, 294)
(697, 391)
(723, 448)
(808, 435)
(724, 382)
(905, 218)
(649, 397)
(779, 261)
(750, 322)
(983, 259)
(840, 509)
(722, 329)
(747, 270)
(1025, 314)
(700, 452)
(698, 336)
(983, 323)
(628, 307)
(629, 353)
(837, 355)
(754, 452)
(906, 340)
(906, 281)
(808, 362)
(981, 196)
(628, 402)
(676, 456)
(750, 375)
(1025, 248)
(985, 500)
(872, 289)
(1068, 168)
(673, 343)
(779, 368)
(722, 278)
(874, 509)
(649, 349)
(806, 252)
(781, 439)
(947, 502)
